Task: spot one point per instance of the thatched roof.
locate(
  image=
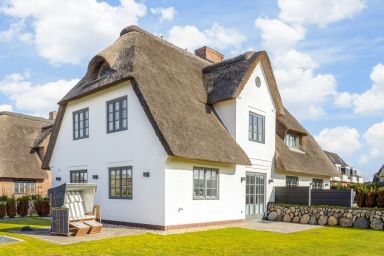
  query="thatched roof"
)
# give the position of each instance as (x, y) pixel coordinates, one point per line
(313, 160)
(168, 82)
(17, 136)
(378, 177)
(225, 80)
(336, 159)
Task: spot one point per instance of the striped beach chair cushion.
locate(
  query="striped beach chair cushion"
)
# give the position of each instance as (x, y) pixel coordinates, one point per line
(74, 202)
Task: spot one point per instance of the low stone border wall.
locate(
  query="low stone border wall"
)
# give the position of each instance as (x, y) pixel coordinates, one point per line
(323, 215)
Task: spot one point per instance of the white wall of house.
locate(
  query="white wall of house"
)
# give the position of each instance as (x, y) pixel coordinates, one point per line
(279, 179)
(257, 100)
(138, 146)
(181, 208)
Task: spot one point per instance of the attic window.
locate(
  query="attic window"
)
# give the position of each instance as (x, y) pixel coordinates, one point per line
(104, 70)
(258, 81)
(292, 140)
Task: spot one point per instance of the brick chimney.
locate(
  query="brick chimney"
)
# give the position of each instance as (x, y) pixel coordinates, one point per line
(52, 115)
(209, 54)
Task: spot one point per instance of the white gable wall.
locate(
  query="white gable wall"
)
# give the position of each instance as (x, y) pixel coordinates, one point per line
(138, 147)
(257, 100)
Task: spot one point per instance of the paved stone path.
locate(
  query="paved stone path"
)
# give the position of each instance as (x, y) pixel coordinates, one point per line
(110, 231)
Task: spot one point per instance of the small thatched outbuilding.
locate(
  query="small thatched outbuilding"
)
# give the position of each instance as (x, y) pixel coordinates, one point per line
(23, 141)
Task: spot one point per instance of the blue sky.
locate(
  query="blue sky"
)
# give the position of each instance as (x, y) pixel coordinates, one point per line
(327, 55)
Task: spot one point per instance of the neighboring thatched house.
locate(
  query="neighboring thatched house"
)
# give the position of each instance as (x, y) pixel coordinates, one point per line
(23, 141)
(173, 139)
(347, 174)
(379, 176)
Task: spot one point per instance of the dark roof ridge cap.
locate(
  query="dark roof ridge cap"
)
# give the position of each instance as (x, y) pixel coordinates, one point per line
(33, 118)
(134, 28)
(241, 57)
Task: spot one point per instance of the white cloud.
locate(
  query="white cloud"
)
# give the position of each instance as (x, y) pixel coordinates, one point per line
(37, 99)
(72, 31)
(303, 91)
(166, 14)
(218, 37)
(318, 12)
(6, 107)
(374, 138)
(278, 36)
(369, 102)
(341, 140)
(15, 31)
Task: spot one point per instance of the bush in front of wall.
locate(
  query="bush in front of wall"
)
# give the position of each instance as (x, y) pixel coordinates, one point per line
(23, 206)
(380, 197)
(3, 210)
(42, 207)
(361, 194)
(11, 207)
(370, 198)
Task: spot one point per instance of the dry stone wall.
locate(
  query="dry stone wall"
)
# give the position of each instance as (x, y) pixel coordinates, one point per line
(331, 216)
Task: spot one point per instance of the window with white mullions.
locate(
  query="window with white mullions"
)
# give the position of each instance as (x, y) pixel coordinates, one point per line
(81, 124)
(256, 131)
(292, 181)
(205, 183)
(317, 183)
(24, 186)
(292, 140)
(117, 114)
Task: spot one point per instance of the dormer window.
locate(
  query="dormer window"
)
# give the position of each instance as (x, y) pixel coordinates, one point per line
(292, 140)
(104, 70)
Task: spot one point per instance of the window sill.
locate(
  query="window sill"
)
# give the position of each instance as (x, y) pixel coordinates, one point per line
(296, 150)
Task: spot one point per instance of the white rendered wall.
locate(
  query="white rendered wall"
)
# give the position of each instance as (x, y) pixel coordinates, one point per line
(181, 208)
(138, 147)
(235, 116)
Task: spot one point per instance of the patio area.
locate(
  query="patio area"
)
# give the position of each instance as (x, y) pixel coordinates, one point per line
(111, 231)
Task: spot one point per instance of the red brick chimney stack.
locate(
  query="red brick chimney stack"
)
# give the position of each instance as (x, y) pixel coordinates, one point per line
(209, 54)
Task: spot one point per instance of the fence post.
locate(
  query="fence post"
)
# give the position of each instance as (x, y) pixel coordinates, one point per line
(352, 198)
(310, 194)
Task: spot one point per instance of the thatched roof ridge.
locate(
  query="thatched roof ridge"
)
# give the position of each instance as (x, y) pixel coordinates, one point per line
(225, 80)
(168, 82)
(45, 132)
(17, 135)
(313, 160)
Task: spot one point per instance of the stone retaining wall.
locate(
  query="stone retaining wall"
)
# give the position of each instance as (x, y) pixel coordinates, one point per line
(332, 216)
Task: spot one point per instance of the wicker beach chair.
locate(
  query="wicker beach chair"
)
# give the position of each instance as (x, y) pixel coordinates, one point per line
(73, 209)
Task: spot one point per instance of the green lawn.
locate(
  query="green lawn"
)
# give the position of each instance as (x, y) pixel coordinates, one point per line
(229, 241)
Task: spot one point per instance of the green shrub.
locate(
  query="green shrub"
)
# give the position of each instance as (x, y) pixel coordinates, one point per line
(23, 206)
(361, 194)
(370, 198)
(380, 197)
(42, 207)
(3, 211)
(11, 207)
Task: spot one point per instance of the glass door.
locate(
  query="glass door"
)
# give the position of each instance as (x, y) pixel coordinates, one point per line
(254, 195)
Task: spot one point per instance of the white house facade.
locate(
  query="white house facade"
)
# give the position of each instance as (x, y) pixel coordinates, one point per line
(173, 140)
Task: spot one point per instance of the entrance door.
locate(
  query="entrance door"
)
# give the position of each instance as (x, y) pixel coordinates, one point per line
(254, 195)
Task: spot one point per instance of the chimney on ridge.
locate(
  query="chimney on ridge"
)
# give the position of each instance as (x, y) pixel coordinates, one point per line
(52, 115)
(209, 54)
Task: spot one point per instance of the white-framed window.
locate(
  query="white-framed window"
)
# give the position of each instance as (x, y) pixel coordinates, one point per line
(117, 115)
(317, 183)
(205, 183)
(81, 124)
(292, 181)
(256, 128)
(292, 140)
(25, 186)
